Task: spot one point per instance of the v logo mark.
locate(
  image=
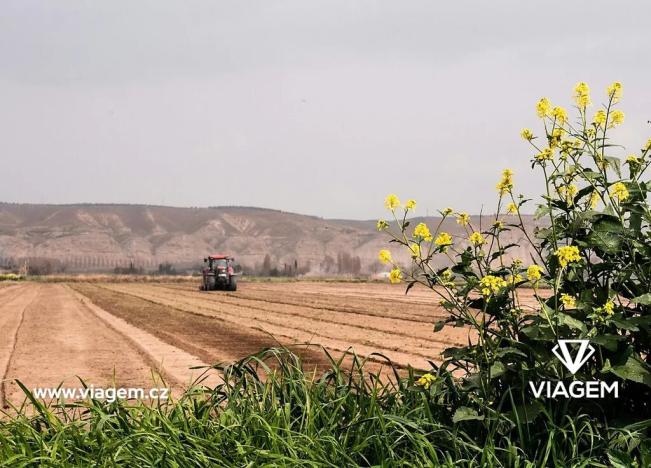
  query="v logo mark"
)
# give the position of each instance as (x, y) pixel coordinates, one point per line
(584, 353)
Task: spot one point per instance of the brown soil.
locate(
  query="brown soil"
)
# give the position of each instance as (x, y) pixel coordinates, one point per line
(52, 338)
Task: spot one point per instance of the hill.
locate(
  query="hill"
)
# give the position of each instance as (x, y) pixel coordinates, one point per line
(96, 237)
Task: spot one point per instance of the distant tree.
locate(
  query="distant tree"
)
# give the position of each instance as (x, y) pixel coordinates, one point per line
(266, 266)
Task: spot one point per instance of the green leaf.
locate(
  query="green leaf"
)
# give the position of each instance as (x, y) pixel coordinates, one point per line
(565, 319)
(525, 413)
(463, 413)
(609, 342)
(605, 241)
(497, 369)
(632, 370)
(644, 299)
(541, 211)
(619, 459)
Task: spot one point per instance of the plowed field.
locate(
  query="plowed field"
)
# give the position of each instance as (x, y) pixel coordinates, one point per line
(122, 334)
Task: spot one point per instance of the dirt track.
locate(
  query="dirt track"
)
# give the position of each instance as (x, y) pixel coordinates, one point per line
(51, 338)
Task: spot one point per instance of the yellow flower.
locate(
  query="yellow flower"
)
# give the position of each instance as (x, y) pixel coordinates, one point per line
(568, 254)
(526, 134)
(619, 191)
(545, 155)
(594, 200)
(498, 225)
(559, 114)
(505, 185)
(476, 238)
(443, 239)
(385, 256)
(616, 118)
(582, 94)
(411, 204)
(395, 276)
(517, 263)
(511, 208)
(534, 273)
(447, 212)
(513, 280)
(422, 231)
(490, 284)
(391, 202)
(632, 159)
(447, 274)
(382, 225)
(568, 301)
(463, 219)
(426, 380)
(609, 308)
(614, 91)
(415, 250)
(543, 108)
(600, 117)
(568, 192)
(647, 147)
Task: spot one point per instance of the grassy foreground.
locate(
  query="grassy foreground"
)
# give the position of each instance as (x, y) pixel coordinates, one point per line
(269, 412)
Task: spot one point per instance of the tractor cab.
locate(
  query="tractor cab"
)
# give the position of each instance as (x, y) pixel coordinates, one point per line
(219, 273)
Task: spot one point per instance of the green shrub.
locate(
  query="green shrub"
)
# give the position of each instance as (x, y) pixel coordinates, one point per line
(10, 277)
(594, 255)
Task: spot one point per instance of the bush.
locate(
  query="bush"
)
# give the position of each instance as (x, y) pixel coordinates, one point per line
(10, 277)
(594, 255)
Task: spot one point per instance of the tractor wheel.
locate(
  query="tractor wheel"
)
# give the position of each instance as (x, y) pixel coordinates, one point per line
(232, 285)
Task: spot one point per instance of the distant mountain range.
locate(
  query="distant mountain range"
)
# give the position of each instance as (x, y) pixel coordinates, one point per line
(98, 237)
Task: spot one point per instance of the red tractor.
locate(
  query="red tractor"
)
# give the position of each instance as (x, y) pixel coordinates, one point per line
(219, 273)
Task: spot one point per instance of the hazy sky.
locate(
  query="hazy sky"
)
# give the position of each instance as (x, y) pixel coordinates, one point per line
(317, 107)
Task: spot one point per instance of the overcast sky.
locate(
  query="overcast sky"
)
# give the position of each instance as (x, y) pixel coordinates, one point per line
(316, 107)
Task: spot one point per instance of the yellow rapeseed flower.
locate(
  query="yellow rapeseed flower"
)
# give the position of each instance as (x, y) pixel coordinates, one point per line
(616, 118)
(415, 250)
(385, 256)
(526, 134)
(476, 238)
(559, 114)
(426, 380)
(568, 254)
(513, 280)
(619, 191)
(534, 273)
(391, 202)
(463, 219)
(505, 185)
(594, 199)
(422, 231)
(411, 204)
(545, 155)
(614, 91)
(600, 117)
(543, 108)
(491, 284)
(395, 276)
(511, 208)
(444, 239)
(647, 147)
(582, 94)
(381, 225)
(632, 159)
(448, 211)
(609, 308)
(498, 225)
(568, 301)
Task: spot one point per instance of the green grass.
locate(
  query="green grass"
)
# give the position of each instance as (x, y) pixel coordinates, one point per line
(270, 412)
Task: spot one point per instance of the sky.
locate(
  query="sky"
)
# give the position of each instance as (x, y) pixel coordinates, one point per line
(314, 107)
